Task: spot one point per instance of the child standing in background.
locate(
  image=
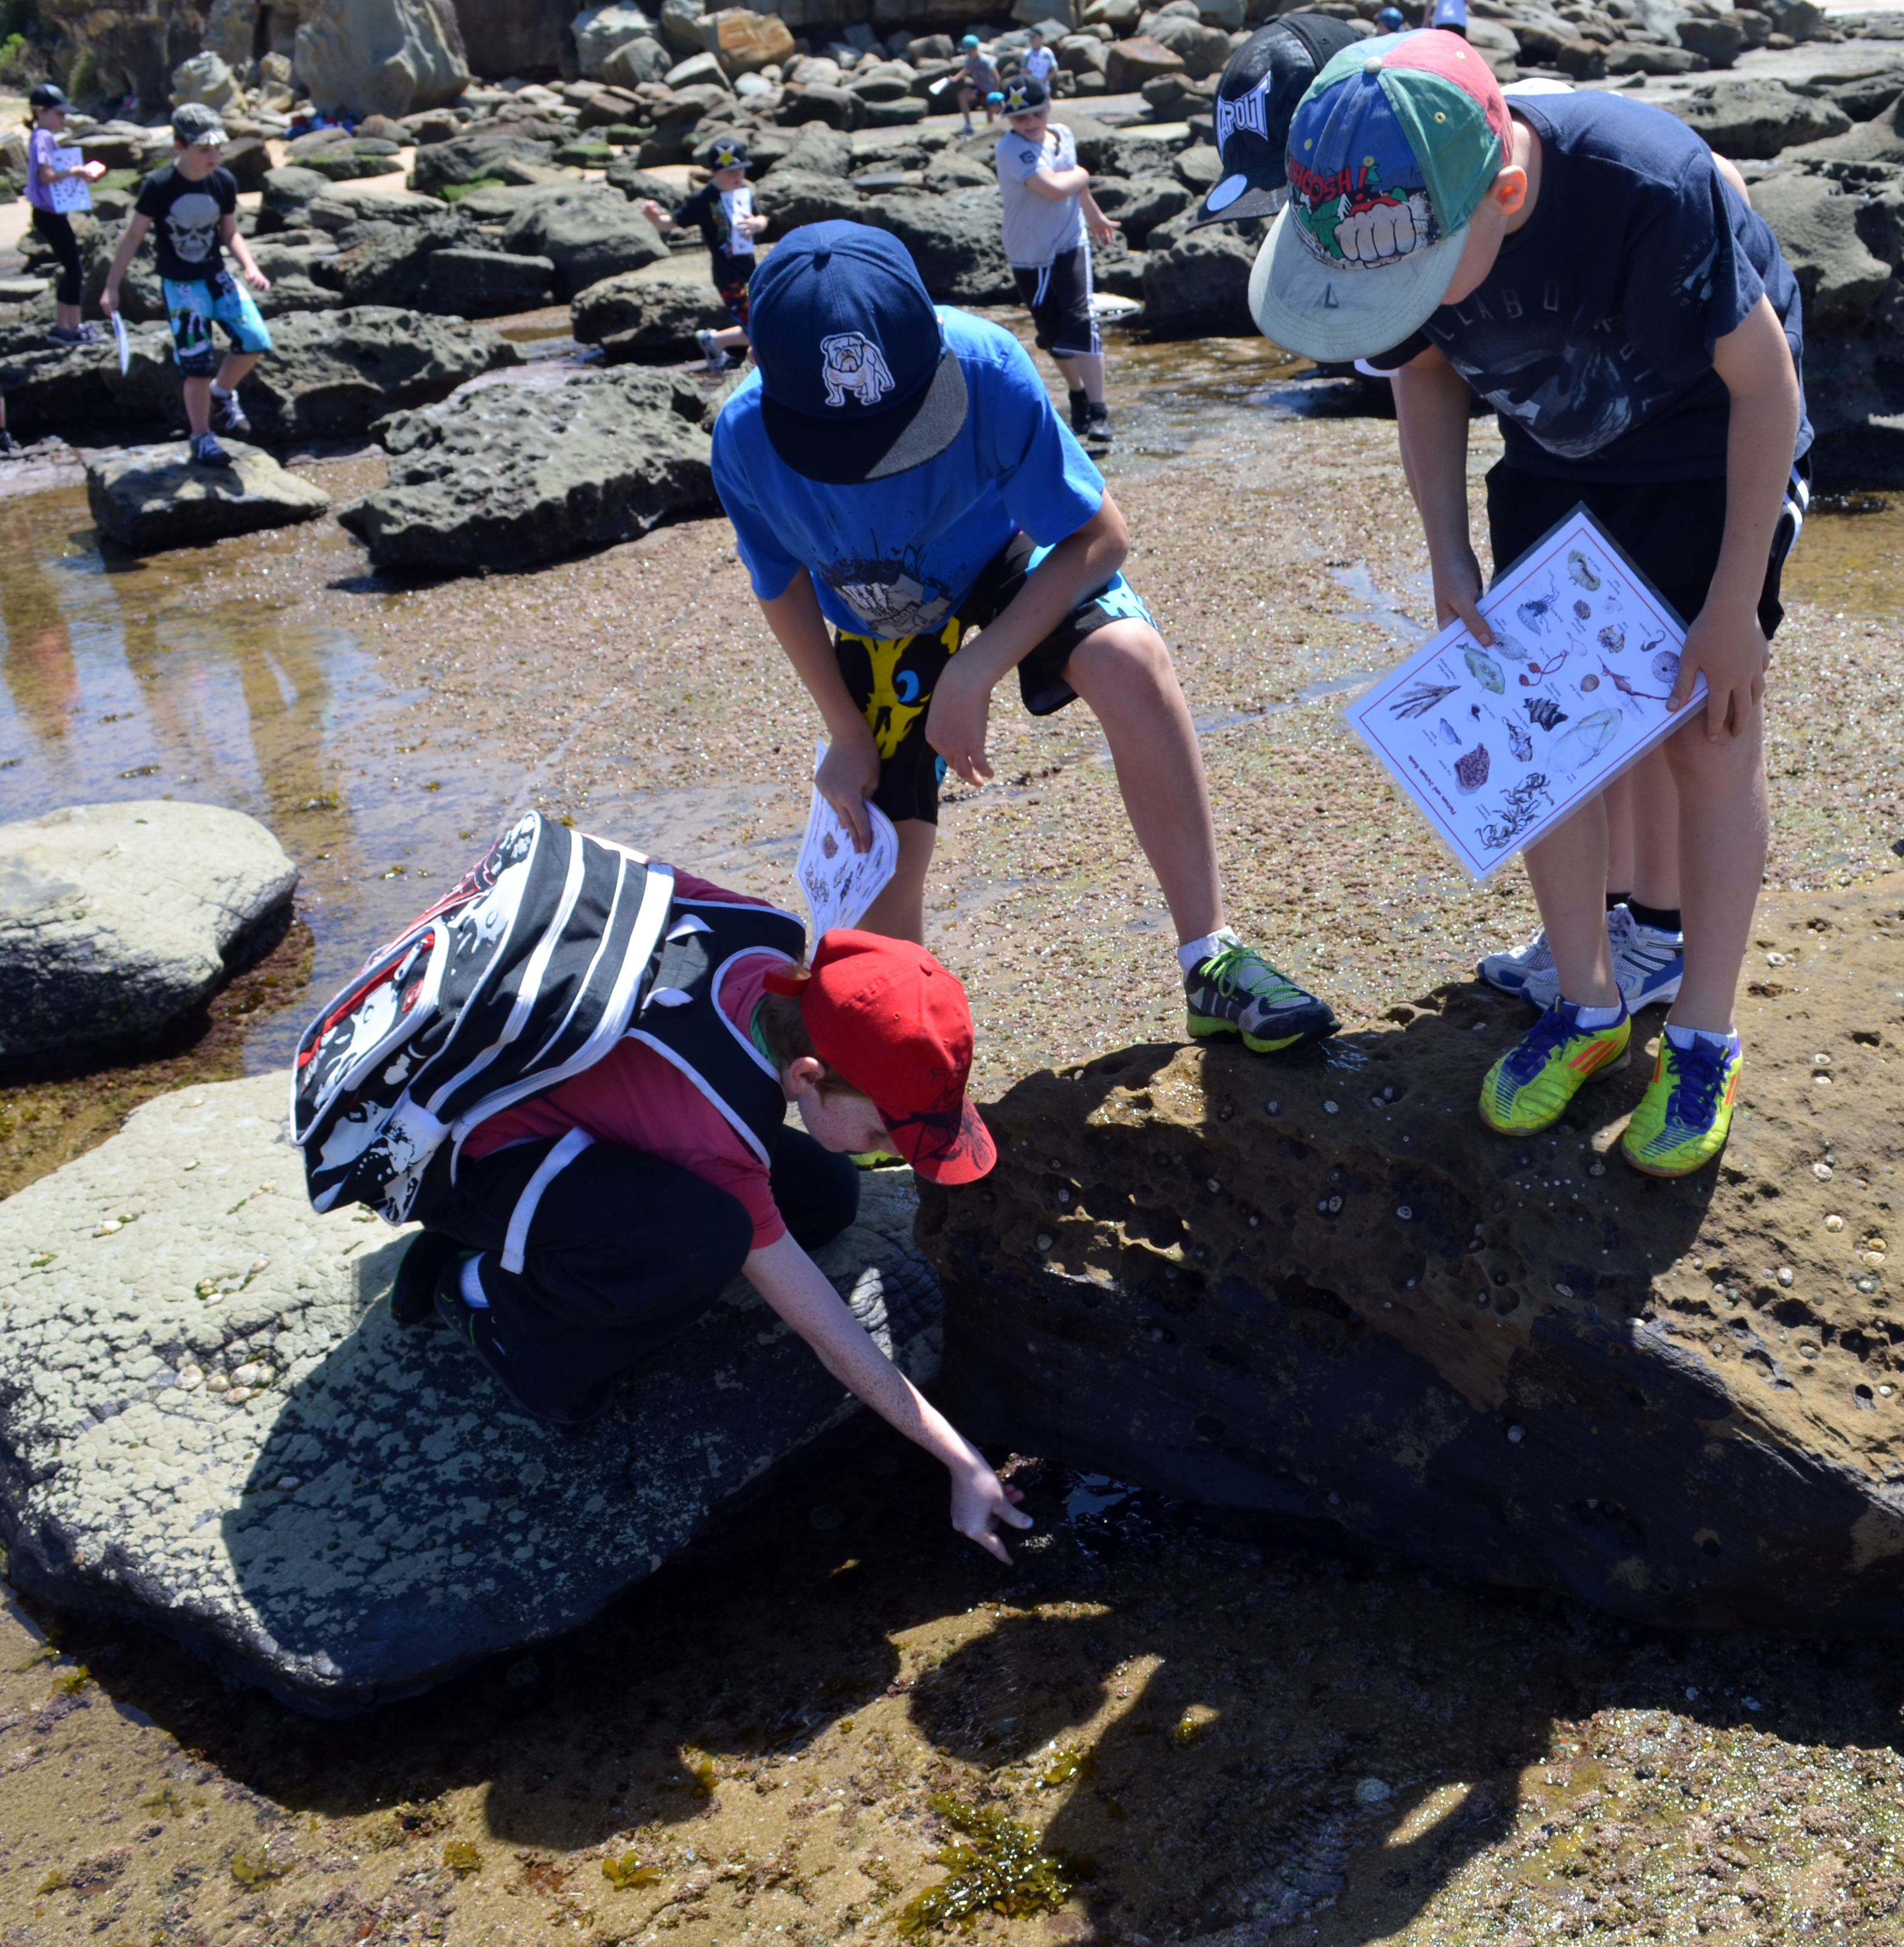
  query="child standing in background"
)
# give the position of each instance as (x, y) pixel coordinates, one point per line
(48, 166)
(723, 206)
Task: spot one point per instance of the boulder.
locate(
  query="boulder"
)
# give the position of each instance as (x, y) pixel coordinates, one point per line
(838, 107)
(150, 498)
(1202, 51)
(515, 37)
(639, 315)
(1140, 206)
(743, 42)
(822, 150)
(1641, 57)
(1880, 140)
(1816, 224)
(380, 57)
(1861, 98)
(1130, 64)
(340, 203)
(950, 170)
(205, 78)
(788, 197)
(331, 373)
(1197, 167)
(954, 241)
(286, 196)
(1547, 40)
(680, 24)
(115, 919)
(55, 388)
(1719, 40)
(478, 157)
(1196, 283)
(386, 263)
(506, 477)
(588, 232)
(211, 1424)
(636, 61)
(463, 281)
(1321, 1290)
(1752, 120)
(600, 31)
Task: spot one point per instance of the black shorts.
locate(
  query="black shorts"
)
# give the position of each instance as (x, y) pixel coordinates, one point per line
(892, 681)
(1671, 529)
(1058, 298)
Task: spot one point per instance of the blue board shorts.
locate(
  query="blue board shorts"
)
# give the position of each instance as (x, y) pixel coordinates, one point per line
(192, 308)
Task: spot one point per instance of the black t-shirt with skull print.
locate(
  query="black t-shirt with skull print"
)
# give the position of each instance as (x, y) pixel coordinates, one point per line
(185, 217)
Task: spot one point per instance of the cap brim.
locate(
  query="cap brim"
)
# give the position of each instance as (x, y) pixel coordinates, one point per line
(943, 1152)
(1240, 205)
(1337, 316)
(850, 448)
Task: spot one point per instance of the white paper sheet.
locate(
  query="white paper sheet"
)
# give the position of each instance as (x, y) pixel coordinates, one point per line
(838, 883)
(69, 195)
(1496, 747)
(120, 339)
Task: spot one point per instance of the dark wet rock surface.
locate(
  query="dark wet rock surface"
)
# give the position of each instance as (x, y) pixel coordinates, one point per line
(148, 498)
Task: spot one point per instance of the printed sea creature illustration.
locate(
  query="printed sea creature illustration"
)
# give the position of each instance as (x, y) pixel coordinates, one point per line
(1449, 734)
(1485, 670)
(1647, 648)
(1473, 710)
(1471, 770)
(1588, 684)
(1519, 742)
(1523, 804)
(1423, 697)
(1580, 569)
(1544, 710)
(1626, 689)
(1533, 613)
(1666, 668)
(1613, 638)
(1585, 741)
(1583, 610)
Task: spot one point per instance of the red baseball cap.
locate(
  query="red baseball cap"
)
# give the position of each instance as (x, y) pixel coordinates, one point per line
(897, 1027)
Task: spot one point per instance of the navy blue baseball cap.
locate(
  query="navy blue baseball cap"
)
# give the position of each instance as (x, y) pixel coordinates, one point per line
(856, 383)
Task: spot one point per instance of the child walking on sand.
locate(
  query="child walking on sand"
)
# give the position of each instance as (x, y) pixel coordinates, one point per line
(723, 206)
(1577, 261)
(1051, 221)
(194, 204)
(898, 481)
(52, 175)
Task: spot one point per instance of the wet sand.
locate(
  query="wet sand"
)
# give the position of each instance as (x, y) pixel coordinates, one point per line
(835, 1652)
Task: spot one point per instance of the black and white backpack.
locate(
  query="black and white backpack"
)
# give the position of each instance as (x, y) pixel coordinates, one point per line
(527, 972)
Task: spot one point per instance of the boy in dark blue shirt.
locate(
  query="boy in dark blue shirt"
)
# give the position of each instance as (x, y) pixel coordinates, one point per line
(1580, 264)
(897, 480)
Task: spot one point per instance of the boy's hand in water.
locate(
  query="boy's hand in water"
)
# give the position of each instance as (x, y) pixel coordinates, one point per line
(979, 1499)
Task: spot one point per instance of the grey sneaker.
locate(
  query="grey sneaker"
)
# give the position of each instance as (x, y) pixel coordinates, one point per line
(1236, 991)
(231, 414)
(716, 356)
(1648, 964)
(1511, 972)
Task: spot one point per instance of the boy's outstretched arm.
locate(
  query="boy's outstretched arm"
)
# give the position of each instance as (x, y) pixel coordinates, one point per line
(956, 723)
(234, 239)
(798, 1291)
(1725, 639)
(849, 774)
(1432, 404)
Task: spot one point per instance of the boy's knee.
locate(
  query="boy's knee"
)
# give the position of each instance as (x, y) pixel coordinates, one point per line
(1129, 652)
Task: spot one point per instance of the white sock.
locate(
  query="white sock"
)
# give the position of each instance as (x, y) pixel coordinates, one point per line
(219, 391)
(1193, 952)
(1686, 1039)
(473, 1291)
(1598, 1017)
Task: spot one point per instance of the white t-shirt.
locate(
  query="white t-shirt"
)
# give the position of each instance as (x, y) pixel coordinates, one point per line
(1038, 63)
(736, 204)
(1037, 231)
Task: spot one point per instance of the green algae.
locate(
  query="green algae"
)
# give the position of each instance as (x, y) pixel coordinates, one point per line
(1002, 1867)
(627, 1871)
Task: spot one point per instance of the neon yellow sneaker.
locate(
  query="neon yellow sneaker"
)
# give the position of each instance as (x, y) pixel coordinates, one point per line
(1530, 1087)
(1686, 1114)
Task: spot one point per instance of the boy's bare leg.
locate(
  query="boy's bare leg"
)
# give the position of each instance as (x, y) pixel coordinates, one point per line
(1568, 870)
(1617, 798)
(731, 338)
(1083, 373)
(198, 406)
(1654, 876)
(1724, 823)
(1124, 672)
(899, 912)
(237, 369)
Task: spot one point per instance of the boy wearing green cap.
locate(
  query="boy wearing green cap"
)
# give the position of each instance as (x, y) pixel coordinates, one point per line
(1576, 260)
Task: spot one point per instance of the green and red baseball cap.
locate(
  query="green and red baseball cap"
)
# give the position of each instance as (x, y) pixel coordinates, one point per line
(1390, 153)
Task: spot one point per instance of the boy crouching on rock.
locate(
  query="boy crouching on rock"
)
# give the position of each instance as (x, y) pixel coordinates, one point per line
(194, 204)
(585, 1201)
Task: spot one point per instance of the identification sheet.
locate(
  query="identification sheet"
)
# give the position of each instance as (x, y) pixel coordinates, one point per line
(838, 883)
(1495, 747)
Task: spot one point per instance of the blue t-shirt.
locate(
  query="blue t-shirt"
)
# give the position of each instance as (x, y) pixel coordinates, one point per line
(1591, 336)
(893, 557)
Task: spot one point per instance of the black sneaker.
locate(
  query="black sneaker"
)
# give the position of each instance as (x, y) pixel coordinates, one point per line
(1080, 410)
(1097, 426)
(83, 334)
(475, 1326)
(413, 1291)
(207, 452)
(10, 447)
(1236, 991)
(231, 414)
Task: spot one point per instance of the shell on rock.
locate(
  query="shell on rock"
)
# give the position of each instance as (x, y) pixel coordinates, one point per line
(190, 1378)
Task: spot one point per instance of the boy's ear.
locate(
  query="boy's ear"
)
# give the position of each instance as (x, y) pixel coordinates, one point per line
(1508, 191)
(803, 1075)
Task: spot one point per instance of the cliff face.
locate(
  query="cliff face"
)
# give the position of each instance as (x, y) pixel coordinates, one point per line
(1322, 1290)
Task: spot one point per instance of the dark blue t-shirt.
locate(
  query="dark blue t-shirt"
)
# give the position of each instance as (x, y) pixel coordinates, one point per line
(1591, 336)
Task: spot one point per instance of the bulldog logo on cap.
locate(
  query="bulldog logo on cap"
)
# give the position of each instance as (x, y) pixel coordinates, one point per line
(851, 362)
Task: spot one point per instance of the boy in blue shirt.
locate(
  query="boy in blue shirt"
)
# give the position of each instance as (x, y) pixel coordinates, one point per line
(1580, 264)
(897, 479)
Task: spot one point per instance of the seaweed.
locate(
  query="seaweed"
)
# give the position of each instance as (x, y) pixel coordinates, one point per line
(1002, 1867)
(462, 1858)
(1523, 802)
(624, 1873)
(1471, 770)
(1423, 697)
(1544, 710)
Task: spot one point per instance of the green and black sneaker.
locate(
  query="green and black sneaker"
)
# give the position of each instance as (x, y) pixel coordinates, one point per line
(1236, 991)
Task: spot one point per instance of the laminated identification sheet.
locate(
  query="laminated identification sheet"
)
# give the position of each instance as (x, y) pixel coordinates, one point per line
(1496, 746)
(838, 883)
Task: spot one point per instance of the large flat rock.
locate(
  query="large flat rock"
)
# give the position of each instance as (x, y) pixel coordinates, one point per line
(116, 918)
(208, 1421)
(1320, 1289)
(150, 498)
